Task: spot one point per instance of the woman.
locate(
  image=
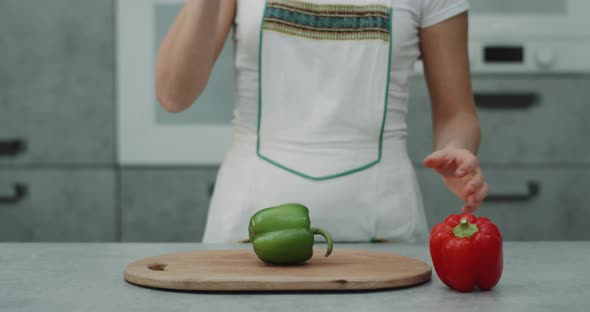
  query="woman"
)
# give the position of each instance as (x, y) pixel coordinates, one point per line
(322, 91)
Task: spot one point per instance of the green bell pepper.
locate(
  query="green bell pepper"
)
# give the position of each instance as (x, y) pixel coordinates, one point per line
(282, 234)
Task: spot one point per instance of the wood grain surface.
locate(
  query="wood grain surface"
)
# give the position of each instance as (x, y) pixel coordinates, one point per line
(241, 270)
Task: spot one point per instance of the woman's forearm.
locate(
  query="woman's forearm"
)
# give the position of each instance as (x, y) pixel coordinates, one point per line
(459, 131)
(446, 66)
(188, 52)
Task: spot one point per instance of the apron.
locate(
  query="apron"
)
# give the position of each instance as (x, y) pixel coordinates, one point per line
(314, 131)
(323, 86)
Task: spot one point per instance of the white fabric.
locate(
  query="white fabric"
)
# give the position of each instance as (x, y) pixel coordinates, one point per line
(318, 117)
(436, 11)
(383, 201)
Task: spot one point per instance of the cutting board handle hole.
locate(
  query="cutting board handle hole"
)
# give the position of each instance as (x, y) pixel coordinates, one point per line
(157, 267)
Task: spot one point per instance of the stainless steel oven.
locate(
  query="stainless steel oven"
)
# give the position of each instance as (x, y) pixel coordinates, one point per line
(528, 37)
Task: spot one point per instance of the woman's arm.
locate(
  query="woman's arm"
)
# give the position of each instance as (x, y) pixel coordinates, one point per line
(454, 117)
(446, 68)
(189, 50)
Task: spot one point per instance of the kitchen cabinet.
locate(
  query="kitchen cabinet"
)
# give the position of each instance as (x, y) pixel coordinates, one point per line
(526, 204)
(165, 204)
(58, 133)
(533, 154)
(524, 120)
(57, 121)
(56, 82)
(73, 205)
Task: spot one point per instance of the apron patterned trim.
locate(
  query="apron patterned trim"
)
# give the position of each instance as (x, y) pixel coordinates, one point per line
(327, 22)
(343, 9)
(331, 8)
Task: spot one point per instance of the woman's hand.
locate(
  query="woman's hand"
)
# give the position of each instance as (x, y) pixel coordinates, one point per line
(461, 173)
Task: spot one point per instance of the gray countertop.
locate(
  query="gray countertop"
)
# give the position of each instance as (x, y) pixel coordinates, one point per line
(538, 276)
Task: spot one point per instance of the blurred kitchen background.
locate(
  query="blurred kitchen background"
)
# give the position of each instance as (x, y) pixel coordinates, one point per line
(86, 154)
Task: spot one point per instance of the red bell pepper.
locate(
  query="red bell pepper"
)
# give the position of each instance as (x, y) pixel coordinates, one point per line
(467, 251)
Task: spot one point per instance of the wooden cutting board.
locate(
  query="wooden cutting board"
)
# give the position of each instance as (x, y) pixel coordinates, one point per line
(241, 270)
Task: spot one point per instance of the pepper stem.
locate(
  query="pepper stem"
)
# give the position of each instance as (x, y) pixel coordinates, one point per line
(465, 229)
(326, 235)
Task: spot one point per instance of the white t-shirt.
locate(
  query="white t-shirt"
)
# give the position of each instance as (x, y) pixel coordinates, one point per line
(382, 202)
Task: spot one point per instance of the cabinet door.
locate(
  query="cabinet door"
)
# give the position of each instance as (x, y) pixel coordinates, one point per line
(544, 204)
(74, 205)
(165, 205)
(56, 82)
(524, 120)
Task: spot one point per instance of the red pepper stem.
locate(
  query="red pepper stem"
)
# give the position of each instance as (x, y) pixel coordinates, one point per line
(326, 235)
(465, 229)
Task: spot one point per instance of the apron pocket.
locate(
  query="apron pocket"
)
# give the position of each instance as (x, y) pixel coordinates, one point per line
(324, 76)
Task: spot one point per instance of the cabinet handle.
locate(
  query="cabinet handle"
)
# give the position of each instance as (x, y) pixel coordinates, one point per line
(211, 189)
(20, 191)
(11, 147)
(533, 189)
(505, 101)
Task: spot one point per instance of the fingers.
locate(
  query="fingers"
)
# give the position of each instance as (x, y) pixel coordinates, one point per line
(436, 160)
(468, 209)
(464, 160)
(476, 199)
(462, 174)
(440, 161)
(467, 162)
(474, 183)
